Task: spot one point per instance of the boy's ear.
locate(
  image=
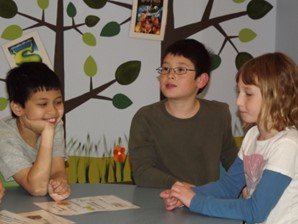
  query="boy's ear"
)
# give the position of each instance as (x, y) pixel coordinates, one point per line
(202, 80)
(16, 108)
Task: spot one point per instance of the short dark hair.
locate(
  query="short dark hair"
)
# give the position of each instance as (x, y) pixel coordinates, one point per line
(193, 50)
(29, 78)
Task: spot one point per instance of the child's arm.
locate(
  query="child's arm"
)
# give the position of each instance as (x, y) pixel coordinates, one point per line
(58, 187)
(227, 187)
(253, 210)
(35, 178)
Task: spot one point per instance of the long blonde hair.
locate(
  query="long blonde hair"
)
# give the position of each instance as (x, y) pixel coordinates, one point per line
(277, 77)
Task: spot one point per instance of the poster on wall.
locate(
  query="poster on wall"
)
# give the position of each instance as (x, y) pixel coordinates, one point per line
(27, 48)
(148, 19)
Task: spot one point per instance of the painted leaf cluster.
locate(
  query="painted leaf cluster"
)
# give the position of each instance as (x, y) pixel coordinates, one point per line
(3, 103)
(96, 4)
(43, 4)
(89, 39)
(110, 29)
(246, 35)
(8, 9)
(91, 20)
(128, 72)
(241, 58)
(90, 67)
(215, 61)
(12, 32)
(257, 9)
(121, 101)
(71, 10)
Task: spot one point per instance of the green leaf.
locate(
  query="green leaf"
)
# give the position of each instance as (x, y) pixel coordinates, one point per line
(90, 67)
(89, 39)
(238, 1)
(128, 72)
(256, 9)
(43, 4)
(96, 4)
(241, 58)
(12, 32)
(91, 20)
(246, 35)
(110, 29)
(71, 10)
(121, 101)
(3, 103)
(8, 9)
(215, 61)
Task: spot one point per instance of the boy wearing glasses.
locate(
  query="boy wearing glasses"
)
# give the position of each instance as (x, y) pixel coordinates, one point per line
(182, 138)
(32, 139)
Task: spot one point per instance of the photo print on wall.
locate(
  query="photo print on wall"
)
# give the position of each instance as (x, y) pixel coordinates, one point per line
(27, 48)
(148, 19)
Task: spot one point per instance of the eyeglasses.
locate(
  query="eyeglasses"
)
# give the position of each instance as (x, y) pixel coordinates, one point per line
(177, 70)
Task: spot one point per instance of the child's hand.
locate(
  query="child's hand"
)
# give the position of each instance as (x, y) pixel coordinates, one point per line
(2, 191)
(58, 189)
(182, 192)
(38, 125)
(245, 193)
(170, 202)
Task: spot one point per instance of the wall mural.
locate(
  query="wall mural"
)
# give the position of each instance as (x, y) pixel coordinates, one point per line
(113, 165)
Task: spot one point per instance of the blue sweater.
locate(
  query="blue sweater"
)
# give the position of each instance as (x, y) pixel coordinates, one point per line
(220, 198)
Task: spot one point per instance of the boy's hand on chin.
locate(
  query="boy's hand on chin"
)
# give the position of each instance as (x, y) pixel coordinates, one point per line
(40, 125)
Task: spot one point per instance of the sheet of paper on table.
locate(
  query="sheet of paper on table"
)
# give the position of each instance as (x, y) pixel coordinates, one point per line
(84, 205)
(44, 217)
(7, 217)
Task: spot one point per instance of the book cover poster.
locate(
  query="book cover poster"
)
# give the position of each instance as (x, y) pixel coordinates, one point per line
(27, 48)
(148, 19)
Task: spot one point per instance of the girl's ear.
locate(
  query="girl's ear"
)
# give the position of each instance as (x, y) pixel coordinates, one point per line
(16, 108)
(202, 80)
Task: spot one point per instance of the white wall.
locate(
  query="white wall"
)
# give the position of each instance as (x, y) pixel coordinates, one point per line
(100, 118)
(286, 28)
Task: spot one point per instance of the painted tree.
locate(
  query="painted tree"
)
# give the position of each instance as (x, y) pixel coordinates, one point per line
(256, 9)
(125, 74)
(128, 71)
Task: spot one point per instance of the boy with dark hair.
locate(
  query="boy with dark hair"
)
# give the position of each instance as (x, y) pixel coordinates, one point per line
(32, 139)
(181, 138)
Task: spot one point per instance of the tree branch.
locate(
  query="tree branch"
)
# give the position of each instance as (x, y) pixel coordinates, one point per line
(124, 5)
(74, 26)
(102, 98)
(125, 21)
(77, 101)
(221, 30)
(40, 22)
(33, 26)
(207, 11)
(190, 29)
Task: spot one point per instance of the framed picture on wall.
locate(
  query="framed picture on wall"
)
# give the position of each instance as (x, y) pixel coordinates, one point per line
(27, 48)
(148, 19)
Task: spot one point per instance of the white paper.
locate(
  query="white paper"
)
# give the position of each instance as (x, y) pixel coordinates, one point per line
(44, 217)
(7, 217)
(84, 205)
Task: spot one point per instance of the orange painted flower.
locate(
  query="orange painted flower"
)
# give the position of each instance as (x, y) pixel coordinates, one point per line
(119, 154)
